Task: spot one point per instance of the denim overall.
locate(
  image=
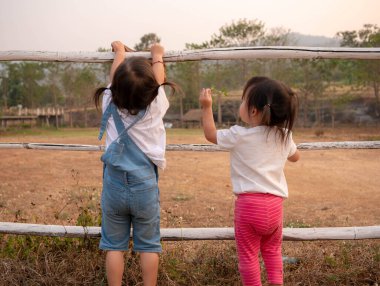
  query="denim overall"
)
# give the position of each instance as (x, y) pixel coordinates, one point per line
(130, 193)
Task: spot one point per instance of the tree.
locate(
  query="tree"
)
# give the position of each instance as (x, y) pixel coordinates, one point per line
(242, 33)
(147, 41)
(4, 87)
(24, 83)
(231, 75)
(79, 81)
(364, 72)
(53, 76)
(85, 83)
(312, 78)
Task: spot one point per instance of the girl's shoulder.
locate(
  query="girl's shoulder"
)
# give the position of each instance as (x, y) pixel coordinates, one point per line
(159, 105)
(238, 130)
(242, 130)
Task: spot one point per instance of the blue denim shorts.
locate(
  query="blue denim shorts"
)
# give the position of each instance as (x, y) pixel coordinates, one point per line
(130, 199)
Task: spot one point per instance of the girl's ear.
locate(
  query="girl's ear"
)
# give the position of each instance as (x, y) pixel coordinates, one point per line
(254, 111)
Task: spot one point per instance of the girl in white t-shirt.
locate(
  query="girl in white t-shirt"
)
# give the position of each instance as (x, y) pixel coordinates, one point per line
(133, 106)
(258, 155)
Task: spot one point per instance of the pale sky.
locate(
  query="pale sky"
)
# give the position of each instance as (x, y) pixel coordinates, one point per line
(85, 25)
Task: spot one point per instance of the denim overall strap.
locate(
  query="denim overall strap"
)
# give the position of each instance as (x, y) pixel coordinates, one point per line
(119, 123)
(106, 115)
(117, 119)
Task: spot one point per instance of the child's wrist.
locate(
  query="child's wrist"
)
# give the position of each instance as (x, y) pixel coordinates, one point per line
(156, 58)
(120, 52)
(206, 107)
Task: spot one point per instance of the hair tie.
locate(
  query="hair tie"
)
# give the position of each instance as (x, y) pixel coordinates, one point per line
(268, 104)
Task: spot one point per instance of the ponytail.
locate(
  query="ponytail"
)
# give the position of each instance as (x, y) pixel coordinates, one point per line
(293, 109)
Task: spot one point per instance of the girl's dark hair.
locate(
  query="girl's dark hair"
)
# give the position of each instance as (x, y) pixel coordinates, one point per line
(277, 103)
(133, 86)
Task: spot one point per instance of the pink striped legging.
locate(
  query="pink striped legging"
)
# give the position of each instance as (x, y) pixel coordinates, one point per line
(258, 227)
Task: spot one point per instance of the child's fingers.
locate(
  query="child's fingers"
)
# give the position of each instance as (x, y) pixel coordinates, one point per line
(201, 93)
(205, 96)
(128, 49)
(205, 92)
(117, 46)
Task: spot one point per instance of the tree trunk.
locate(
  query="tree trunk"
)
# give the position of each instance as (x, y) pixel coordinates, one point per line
(305, 109)
(181, 108)
(317, 122)
(5, 103)
(55, 109)
(71, 119)
(219, 102)
(55, 96)
(85, 117)
(244, 71)
(377, 101)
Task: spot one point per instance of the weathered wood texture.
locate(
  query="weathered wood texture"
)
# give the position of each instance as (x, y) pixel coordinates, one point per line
(177, 234)
(233, 53)
(192, 147)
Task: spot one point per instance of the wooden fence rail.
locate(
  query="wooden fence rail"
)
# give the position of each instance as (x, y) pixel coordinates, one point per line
(177, 234)
(233, 53)
(192, 147)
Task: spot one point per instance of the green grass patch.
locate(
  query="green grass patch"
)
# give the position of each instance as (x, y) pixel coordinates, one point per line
(297, 224)
(51, 131)
(173, 132)
(181, 198)
(83, 132)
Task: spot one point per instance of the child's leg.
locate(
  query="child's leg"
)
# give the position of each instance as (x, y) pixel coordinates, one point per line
(149, 266)
(247, 244)
(114, 267)
(271, 253)
(248, 250)
(271, 245)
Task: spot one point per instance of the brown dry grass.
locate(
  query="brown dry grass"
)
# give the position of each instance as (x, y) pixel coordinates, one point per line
(327, 188)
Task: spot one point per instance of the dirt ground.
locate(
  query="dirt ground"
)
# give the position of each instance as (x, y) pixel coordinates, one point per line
(327, 188)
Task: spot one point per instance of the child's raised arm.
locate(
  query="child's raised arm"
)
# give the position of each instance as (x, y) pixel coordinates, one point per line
(119, 49)
(208, 123)
(157, 52)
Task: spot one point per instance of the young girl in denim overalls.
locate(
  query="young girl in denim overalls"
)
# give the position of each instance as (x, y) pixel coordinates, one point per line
(133, 109)
(258, 154)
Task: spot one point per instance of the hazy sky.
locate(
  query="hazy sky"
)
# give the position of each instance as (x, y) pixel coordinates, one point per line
(85, 25)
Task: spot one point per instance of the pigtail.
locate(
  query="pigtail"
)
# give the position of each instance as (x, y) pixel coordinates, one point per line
(173, 87)
(292, 111)
(96, 97)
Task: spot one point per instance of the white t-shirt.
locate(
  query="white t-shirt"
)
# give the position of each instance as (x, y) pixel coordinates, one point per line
(257, 159)
(148, 133)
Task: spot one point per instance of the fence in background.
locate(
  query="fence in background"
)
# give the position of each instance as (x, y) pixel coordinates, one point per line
(331, 233)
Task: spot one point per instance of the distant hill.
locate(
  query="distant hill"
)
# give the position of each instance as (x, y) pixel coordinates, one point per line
(298, 39)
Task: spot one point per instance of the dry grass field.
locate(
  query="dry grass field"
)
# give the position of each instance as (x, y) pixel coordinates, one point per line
(327, 188)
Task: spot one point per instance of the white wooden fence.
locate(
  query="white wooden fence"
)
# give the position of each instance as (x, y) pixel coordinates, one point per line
(234, 53)
(331, 233)
(191, 147)
(221, 233)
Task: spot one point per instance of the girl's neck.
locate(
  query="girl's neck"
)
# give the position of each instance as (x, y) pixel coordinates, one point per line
(255, 121)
